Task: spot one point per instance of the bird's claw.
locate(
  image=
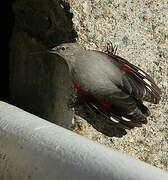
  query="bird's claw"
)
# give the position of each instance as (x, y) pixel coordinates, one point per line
(111, 49)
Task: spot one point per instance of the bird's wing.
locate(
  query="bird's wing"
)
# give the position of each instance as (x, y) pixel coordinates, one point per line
(118, 120)
(141, 85)
(119, 108)
(139, 81)
(124, 107)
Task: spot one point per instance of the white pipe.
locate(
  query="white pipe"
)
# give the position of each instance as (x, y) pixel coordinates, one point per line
(32, 148)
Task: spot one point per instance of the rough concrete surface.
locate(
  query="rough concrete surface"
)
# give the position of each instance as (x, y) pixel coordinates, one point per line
(140, 29)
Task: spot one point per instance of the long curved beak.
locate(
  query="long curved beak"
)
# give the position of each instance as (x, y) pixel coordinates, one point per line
(54, 50)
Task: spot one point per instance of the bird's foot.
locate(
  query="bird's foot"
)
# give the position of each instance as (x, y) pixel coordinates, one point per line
(74, 101)
(111, 49)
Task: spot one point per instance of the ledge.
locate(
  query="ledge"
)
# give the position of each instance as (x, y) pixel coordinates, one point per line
(33, 148)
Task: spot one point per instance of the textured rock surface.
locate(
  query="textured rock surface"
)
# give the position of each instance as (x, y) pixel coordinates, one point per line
(140, 29)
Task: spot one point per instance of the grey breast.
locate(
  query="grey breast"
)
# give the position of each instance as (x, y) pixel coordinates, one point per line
(97, 72)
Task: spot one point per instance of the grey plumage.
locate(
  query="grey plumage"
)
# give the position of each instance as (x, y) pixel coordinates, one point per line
(110, 85)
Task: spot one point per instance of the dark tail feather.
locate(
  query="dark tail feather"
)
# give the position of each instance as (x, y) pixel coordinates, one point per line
(145, 111)
(137, 116)
(134, 119)
(152, 97)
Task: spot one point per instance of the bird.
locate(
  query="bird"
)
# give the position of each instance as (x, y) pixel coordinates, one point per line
(109, 84)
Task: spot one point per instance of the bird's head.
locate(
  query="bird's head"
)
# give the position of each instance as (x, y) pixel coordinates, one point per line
(66, 50)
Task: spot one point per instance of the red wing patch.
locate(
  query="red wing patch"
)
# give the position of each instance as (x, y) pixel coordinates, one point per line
(80, 91)
(126, 68)
(103, 104)
(84, 95)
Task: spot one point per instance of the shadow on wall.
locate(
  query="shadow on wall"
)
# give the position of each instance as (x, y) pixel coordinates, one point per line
(40, 83)
(6, 31)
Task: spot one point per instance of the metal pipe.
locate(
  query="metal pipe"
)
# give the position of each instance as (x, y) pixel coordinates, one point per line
(32, 148)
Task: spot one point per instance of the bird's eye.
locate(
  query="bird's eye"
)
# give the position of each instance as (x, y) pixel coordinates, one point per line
(63, 48)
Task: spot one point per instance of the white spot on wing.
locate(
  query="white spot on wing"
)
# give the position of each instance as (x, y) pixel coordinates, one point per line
(125, 119)
(114, 120)
(94, 106)
(148, 82)
(148, 88)
(141, 72)
(131, 112)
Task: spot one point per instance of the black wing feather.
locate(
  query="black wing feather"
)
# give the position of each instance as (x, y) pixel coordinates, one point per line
(153, 92)
(116, 119)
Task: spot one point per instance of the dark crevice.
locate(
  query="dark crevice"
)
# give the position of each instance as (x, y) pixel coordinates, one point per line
(6, 29)
(40, 83)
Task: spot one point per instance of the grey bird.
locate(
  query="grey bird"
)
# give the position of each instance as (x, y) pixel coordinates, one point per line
(110, 85)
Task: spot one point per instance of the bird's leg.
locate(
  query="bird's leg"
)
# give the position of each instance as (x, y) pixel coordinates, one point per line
(111, 49)
(74, 101)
